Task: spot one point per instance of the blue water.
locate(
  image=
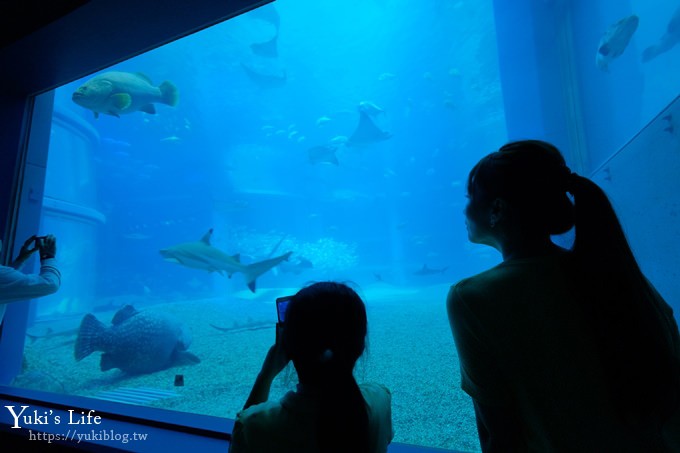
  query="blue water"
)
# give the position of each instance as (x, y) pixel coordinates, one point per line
(387, 208)
(233, 155)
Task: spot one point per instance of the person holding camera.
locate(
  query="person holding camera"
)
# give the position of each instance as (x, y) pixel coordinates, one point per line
(323, 332)
(16, 286)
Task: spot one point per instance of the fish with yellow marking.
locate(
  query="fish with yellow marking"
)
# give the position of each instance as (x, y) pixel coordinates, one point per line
(117, 93)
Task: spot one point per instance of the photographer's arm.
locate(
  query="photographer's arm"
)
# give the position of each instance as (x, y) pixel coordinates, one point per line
(274, 362)
(16, 286)
(25, 253)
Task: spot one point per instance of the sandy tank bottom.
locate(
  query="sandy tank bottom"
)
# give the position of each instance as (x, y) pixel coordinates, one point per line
(410, 350)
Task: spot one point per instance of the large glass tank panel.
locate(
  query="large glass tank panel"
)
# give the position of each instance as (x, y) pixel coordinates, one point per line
(626, 66)
(335, 134)
(642, 182)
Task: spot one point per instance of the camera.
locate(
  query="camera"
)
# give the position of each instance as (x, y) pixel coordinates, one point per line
(282, 306)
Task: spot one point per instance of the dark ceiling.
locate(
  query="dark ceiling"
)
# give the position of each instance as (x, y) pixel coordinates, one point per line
(19, 18)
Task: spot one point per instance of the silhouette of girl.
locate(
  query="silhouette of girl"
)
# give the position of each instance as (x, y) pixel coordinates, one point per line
(324, 334)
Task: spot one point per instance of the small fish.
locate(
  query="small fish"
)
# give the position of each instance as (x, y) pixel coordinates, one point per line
(172, 139)
(615, 41)
(429, 271)
(244, 327)
(671, 125)
(338, 140)
(116, 93)
(113, 143)
(323, 154)
(321, 121)
(386, 76)
(300, 265)
(137, 236)
(137, 342)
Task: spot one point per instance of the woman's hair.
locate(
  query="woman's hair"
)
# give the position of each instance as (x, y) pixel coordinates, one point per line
(634, 343)
(324, 334)
(531, 177)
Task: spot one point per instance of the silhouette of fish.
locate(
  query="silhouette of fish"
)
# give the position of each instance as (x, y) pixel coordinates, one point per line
(297, 267)
(265, 74)
(367, 131)
(615, 40)
(323, 153)
(116, 93)
(269, 14)
(669, 39)
(429, 271)
(138, 342)
(202, 255)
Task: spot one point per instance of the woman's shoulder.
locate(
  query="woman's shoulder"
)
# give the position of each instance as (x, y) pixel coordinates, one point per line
(481, 282)
(510, 273)
(259, 413)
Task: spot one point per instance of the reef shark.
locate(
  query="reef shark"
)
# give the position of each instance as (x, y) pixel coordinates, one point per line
(429, 271)
(202, 255)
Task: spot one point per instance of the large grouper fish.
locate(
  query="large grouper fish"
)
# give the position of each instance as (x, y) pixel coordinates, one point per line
(138, 342)
(116, 93)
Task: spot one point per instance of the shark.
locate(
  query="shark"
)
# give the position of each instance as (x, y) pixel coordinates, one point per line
(429, 271)
(202, 255)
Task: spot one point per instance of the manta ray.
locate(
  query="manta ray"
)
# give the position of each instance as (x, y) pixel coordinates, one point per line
(202, 255)
(269, 14)
(367, 131)
(667, 41)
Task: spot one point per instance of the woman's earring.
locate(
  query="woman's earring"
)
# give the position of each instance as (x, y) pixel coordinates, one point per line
(492, 222)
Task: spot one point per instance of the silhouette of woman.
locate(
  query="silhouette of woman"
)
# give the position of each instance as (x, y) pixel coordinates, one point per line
(560, 350)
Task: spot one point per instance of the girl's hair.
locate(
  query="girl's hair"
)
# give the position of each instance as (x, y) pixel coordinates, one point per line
(635, 343)
(324, 334)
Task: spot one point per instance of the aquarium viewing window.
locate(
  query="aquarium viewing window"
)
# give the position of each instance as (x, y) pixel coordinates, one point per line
(298, 142)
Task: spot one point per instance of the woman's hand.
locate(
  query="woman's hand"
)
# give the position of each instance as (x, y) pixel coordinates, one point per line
(25, 252)
(47, 246)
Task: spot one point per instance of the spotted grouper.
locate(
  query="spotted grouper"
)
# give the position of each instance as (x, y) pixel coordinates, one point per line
(138, 342)
(116, 93)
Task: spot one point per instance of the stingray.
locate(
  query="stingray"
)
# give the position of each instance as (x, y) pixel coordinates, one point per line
(323, 153)
(268, 48)
(267, 13)
(265, 76)
(367, 131)
(667, 41)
